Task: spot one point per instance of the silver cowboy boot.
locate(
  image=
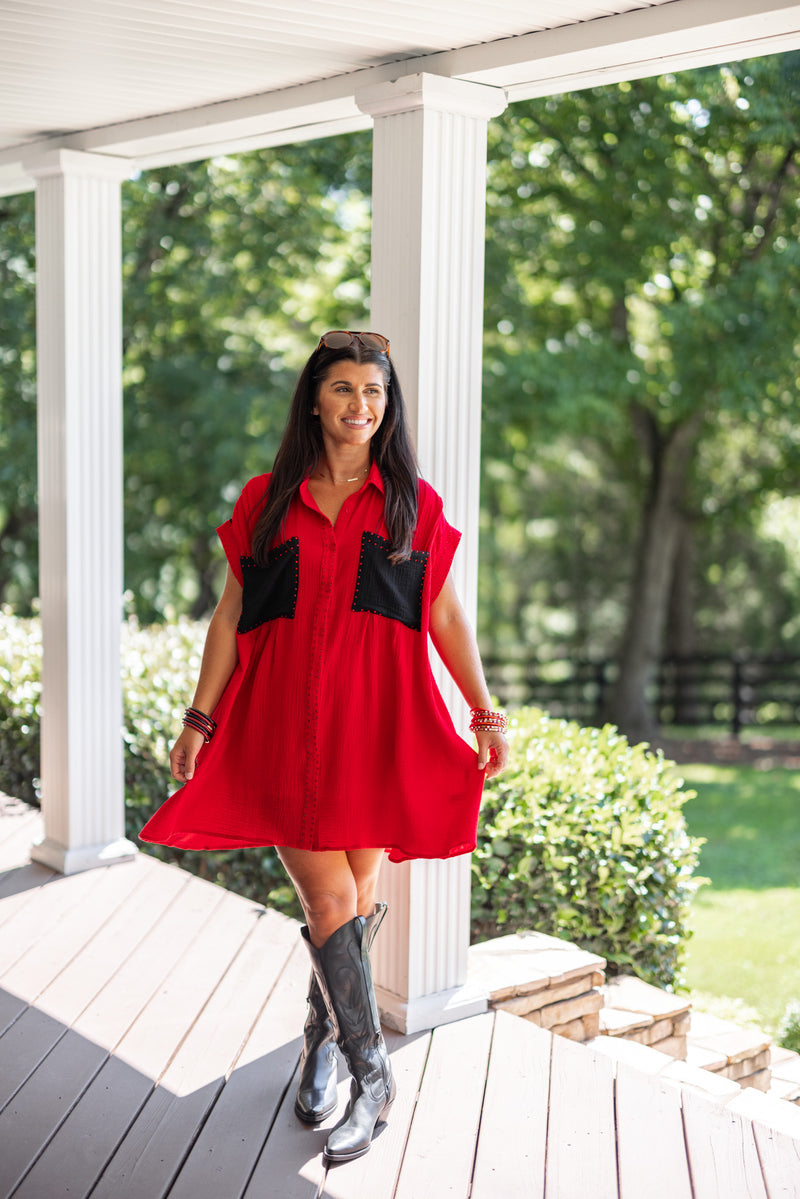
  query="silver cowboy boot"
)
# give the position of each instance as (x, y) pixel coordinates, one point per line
(316, 1090)
(343, 970)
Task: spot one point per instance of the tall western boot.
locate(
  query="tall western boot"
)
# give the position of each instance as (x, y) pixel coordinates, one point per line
(316, 1091)
(343, 970)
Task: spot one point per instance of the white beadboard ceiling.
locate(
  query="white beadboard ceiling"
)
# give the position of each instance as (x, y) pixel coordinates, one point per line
(67, 65)
(167, 80)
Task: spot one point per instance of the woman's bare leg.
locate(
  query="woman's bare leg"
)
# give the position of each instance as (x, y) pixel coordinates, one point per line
(365, 865)
(333, 886)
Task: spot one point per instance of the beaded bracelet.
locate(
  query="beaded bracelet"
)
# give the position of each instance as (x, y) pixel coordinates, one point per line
(485, 720)
(199, 721)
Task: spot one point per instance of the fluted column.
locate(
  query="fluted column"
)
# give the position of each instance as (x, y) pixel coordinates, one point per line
(428, 223)
(79, 348)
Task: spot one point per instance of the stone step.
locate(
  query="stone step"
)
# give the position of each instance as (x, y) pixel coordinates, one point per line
(626, 993)
(638, 1011)
(724, 1037)
(550, 982)
(652, 1061)
(789, 1091)
(561, 987)
(524, 963)
(785, 1074)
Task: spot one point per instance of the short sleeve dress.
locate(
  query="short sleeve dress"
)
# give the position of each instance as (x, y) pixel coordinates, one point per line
(331, 732)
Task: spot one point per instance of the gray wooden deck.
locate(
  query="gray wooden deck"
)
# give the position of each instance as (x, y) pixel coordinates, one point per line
(150, 1030)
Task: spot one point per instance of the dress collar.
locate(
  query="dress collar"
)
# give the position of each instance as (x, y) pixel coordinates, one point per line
(374, 477)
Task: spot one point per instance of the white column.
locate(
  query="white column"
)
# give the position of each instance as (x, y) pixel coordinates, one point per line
(79, 356)
(429, 189)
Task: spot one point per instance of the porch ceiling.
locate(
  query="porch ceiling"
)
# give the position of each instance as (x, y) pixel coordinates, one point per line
(170, 80)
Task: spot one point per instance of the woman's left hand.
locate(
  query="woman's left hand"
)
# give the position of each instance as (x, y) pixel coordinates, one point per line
(492, 752)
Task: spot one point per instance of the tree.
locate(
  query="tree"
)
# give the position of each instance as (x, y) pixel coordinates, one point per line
(230, 268)
(18, 506)
(644, 278)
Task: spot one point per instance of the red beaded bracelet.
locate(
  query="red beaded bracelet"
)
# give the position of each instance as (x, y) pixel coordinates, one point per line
(485, 720)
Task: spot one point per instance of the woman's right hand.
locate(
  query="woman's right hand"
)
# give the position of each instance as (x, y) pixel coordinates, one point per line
(183, 755)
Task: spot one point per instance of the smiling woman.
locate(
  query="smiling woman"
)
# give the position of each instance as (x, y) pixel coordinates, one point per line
(317, 726)
(351, 402)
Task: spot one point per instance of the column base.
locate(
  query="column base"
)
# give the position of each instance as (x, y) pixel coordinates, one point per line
(430, 1011)
(86, 857)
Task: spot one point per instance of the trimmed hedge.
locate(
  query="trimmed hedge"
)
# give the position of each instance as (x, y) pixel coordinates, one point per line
(583, 837)
(20, 693)
(788, 1035)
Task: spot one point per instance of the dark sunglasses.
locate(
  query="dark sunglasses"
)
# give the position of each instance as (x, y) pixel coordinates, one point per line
(339, 339)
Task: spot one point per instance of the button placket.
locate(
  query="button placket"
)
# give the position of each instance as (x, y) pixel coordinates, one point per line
(313, 690)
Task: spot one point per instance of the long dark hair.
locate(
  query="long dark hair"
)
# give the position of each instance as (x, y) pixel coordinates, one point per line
(301, 447)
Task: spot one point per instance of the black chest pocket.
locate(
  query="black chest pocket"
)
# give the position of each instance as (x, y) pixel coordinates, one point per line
(270, 591)
(392, 589)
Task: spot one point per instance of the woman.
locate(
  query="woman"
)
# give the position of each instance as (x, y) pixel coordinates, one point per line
(329, 738)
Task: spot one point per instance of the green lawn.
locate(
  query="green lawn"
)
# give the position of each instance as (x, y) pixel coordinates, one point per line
(746, 923)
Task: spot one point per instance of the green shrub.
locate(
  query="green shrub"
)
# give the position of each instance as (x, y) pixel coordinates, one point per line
(583, 837)
(20, 693)
(160, 665)
(788, 1034)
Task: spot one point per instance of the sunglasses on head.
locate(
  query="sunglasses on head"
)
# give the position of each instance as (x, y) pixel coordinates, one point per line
(339, 339)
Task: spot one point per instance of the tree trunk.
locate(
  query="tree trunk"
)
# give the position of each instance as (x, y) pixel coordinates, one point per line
(19, 522)
(681, 633)
(669, 457)
(205, 567)
(681, 639)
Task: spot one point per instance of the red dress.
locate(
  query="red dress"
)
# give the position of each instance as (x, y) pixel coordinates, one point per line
(332, 733)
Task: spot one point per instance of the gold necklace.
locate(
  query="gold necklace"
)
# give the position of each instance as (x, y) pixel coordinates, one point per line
(355, 478)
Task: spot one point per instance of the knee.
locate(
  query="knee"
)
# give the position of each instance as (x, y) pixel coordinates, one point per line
(328, 910)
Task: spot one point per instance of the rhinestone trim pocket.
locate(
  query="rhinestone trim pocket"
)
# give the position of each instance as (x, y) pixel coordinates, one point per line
(270, 592)
(391, 589)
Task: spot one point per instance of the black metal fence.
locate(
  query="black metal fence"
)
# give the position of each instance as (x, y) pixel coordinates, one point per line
(715, 690)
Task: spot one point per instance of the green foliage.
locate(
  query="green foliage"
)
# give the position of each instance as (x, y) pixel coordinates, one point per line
(20, 693)
(18, 516)
(642, 272)
(160, 665)
(789, 1028)
(159, 668)
(583, 838)
(232, 268)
